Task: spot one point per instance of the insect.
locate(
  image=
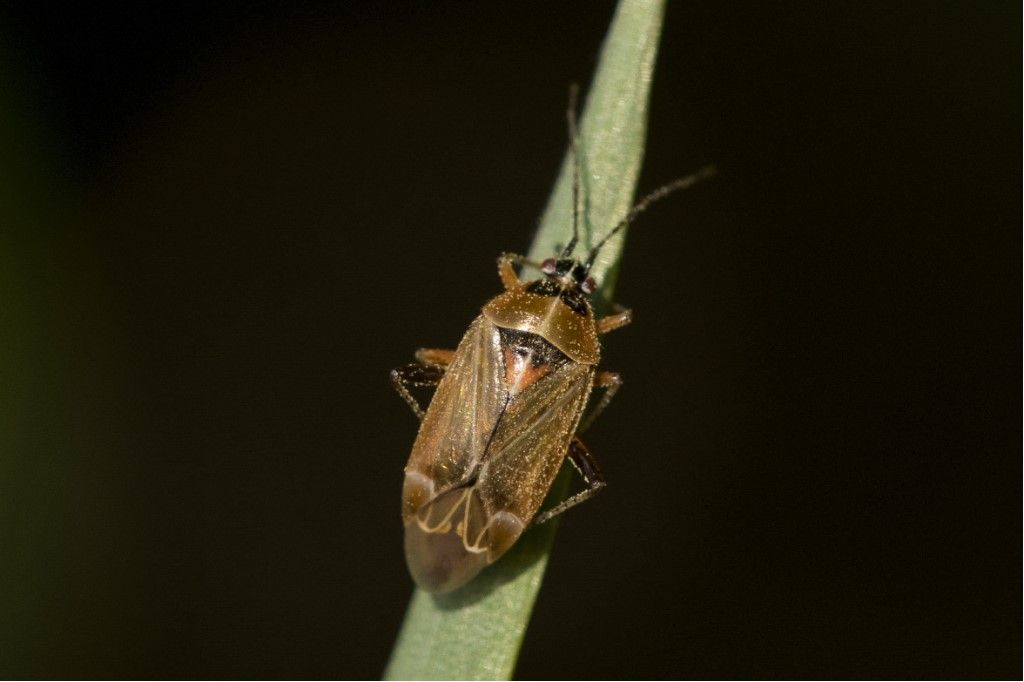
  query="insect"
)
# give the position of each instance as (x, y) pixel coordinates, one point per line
(508, 408)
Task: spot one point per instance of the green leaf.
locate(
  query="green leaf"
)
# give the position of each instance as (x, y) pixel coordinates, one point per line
(475, 632)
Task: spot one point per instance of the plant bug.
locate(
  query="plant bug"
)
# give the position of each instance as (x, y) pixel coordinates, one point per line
(508, 408)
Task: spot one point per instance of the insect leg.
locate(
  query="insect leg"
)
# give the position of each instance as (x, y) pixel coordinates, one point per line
(507, 273)
(587, 467)
(611, 382)
(416, 375)
(434, 357)
(618, 319)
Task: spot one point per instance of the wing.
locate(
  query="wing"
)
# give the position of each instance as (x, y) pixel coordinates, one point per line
(466, 405)
(452, 537)
(531, 441)
(513, 441)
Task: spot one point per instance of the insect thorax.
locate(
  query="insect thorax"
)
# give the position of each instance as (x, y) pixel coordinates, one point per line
(528, 358)
(573, 298)
(562, 318)
(527, 344)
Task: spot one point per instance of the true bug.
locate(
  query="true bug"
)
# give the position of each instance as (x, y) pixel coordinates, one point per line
(507, 409)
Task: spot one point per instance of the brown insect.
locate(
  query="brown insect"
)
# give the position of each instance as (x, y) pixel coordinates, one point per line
(507, 410)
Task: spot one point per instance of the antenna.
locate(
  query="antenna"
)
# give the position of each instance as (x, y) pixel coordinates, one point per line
(570, 118)
(643, 204)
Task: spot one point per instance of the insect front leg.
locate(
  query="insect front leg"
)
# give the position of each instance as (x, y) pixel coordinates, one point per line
(588, 469)
(415, 375)
(620, 318)
(507, 273)
(611, 382)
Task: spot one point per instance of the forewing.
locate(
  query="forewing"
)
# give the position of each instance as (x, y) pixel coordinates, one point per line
(531, 441)
(454, 527)
(467, 403)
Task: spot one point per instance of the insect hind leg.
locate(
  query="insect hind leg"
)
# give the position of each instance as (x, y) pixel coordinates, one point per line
(588, 469)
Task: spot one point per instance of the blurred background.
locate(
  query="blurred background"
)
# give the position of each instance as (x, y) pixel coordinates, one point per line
(221, 224)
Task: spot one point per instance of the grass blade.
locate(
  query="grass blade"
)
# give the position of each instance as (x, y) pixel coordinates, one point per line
(476, 632)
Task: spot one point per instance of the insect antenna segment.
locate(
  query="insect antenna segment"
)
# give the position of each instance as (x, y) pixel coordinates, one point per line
(570, 118)
(638, 208)
(643, 204)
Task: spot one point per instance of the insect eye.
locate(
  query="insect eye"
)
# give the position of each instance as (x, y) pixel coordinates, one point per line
(549, 266)
(588, 285)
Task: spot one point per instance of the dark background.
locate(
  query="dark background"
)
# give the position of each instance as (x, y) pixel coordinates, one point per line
(224, 224)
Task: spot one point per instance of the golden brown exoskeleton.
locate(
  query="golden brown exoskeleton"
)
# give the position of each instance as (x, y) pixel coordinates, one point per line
(503, 419)
(506, 411)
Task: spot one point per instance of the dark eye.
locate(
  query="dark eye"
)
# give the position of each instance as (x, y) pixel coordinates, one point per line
(588, 285)
(549, 266)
